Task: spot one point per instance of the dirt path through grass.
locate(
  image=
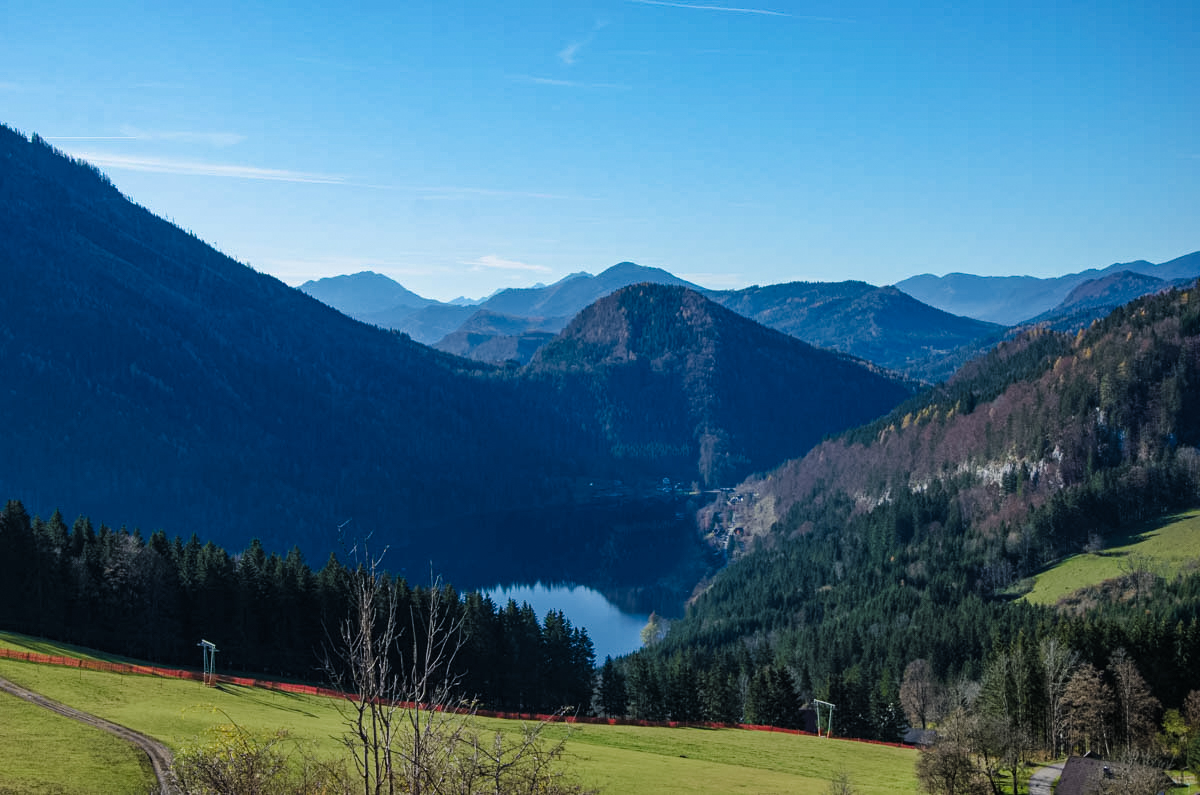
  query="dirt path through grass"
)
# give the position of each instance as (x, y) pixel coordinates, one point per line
(160, 755)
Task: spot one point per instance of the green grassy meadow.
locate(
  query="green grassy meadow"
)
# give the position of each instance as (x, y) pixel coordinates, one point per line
(616, 759)
(1167, 546)
(44, 752)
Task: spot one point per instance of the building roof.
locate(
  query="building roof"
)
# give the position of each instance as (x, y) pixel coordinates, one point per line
(1093, 776)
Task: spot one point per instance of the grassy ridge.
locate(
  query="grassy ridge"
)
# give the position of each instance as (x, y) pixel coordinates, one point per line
(617, 759)
(1166, 546)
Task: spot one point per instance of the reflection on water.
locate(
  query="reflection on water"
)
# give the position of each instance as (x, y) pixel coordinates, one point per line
(613, 632)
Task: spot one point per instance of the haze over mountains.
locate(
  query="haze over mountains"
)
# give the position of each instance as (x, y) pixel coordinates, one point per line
(879, 324)
(1010, 300)
(155, 382)
(927, 337)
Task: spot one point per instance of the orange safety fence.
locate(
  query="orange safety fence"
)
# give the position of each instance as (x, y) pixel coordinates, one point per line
(313, 690)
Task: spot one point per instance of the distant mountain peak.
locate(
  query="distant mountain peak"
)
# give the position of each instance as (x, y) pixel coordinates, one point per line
(363, 294)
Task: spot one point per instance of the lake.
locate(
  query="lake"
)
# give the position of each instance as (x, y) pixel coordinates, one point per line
(612, 631)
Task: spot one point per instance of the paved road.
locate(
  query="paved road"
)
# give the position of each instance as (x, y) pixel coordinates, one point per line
(1042, 781)
(160, 755)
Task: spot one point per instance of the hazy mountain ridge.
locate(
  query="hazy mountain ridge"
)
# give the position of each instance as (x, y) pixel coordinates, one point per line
(1011, 300)
(363, 294)
(570, 295)
(880, 324)
(1096, 298)
(488, 336)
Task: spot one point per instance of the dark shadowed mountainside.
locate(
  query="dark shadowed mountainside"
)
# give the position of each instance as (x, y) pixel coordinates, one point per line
(879, 324)
(151, 380)
(734, 394)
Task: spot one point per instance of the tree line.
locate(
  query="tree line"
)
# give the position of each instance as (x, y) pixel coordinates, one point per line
(156, 598)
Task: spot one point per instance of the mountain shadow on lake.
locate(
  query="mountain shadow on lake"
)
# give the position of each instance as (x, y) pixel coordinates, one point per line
(646, 549)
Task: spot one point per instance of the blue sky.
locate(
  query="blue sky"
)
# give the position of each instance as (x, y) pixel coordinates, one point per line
(460, 146)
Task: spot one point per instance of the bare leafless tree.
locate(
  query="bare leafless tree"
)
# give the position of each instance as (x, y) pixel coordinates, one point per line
(1058, 663)
(919, 693)
(1087, 705)
(409, 731)
(950, 767)
(1137, 708)
(360, 666)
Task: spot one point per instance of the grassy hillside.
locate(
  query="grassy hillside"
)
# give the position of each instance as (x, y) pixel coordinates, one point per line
(617, 759)
(1163, 547)
(84, 759)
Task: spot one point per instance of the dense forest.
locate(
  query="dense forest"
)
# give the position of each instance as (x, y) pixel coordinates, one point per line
(911, 538)
(675, 379)
(836, 600)
(156, 598)
(153, 379)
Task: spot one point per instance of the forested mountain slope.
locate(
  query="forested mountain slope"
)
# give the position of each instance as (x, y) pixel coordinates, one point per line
(152, 380)
(879, 324)
(733, 394)
(907, 538)
(1045, 407)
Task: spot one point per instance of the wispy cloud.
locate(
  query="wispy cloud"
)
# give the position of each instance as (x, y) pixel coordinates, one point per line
(492, 262)
(569, 53)
(554, 81)
(218, 139)
(193, 168)
(707, 7)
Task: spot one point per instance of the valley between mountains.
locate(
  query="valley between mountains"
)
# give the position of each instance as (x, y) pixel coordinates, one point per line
(822, 484)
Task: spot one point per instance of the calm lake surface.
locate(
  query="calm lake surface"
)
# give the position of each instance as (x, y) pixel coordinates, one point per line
(612, 631)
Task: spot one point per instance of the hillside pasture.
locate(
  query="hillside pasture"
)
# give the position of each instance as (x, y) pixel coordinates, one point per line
(43, 752)
(615, 759)
(1165, 547)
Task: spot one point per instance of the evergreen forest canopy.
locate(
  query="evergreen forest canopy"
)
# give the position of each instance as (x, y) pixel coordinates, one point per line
(848, 597)
(156, 382)
(145, 363)
(154, 598)
(908, 539)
